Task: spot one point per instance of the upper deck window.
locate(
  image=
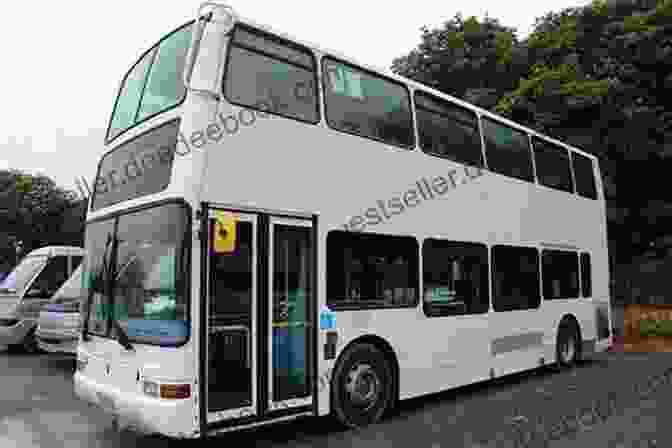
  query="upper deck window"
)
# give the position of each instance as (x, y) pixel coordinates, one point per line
(507, 150)
(585, 176)
(154, 83)
(553, 167)
(365, 104)
(268, 73)
(139, 167)
(448, 130)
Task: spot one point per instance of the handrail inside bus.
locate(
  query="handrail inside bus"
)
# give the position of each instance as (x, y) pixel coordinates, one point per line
(196, 36)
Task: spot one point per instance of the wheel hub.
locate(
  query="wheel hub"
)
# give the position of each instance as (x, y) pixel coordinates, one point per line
(568, 350)
(363, 386)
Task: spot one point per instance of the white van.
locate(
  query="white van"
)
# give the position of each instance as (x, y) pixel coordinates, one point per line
(60, 320)
(25, 290)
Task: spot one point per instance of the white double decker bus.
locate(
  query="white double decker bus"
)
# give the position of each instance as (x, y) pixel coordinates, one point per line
(279, 231)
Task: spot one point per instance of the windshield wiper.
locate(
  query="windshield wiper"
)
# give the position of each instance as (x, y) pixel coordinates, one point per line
(113, 273)
(122, 337)
(93, 280)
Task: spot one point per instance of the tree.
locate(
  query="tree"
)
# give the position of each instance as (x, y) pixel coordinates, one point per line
(466, 58)
(597, 77)
(37, 212)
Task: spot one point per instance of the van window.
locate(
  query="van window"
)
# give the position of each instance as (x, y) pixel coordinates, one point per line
(54, 274)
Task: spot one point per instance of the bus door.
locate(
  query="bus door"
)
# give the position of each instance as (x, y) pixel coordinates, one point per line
(260, 324)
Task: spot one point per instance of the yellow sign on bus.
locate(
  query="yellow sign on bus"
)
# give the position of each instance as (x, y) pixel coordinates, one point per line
(225, 233)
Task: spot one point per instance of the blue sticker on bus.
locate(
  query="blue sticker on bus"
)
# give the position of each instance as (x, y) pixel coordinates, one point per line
(167, 331)
(327, 318)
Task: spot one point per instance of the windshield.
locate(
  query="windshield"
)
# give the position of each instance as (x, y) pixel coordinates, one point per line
(140, 258)
(153, 84)
(18, 279)
(71, 289)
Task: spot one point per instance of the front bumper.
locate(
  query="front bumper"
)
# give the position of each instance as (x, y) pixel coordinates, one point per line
(143, 414)
(15, 334)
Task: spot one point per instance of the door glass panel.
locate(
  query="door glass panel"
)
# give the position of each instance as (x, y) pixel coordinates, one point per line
(230, 323)
(291, 290)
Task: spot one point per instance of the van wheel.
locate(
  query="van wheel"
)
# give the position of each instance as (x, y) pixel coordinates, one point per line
(568, 346)
(362, 389)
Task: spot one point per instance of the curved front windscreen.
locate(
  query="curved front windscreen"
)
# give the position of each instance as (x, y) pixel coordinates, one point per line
(18, 279)
(71, 289)
(136, 276)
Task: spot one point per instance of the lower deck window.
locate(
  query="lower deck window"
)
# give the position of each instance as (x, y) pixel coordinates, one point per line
(371, 271)
(515, 278)
(455, 278)
(560, 274)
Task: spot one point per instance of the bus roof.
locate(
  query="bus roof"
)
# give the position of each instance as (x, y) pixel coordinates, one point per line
(409, 82)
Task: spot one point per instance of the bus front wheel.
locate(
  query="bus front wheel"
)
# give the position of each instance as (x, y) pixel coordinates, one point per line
(362, 386)
(568, 346)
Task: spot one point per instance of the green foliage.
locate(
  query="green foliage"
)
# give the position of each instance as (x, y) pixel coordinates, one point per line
(504, 42)
(561, 80)
(650, 327)
(599, 7)
(465, 54)
(471, 25)
(597, 77)
(23, 183)
(563, 36)
(649, 20)
(34, 210)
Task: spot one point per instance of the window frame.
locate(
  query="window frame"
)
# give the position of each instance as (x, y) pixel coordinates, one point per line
(582, 284)
(546, 251)
(411, 110)
(437, 99)
(336, 306)
(553, 146)
(578, 155)
(493, 294)
(530, 150)
(154, 48)
(278, 40)
(472, 245)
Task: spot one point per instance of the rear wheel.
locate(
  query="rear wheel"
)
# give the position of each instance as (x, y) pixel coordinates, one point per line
(568, 346)
(362, 386)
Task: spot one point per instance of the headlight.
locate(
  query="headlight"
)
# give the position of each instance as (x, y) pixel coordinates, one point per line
(150, 388)
(82, 361)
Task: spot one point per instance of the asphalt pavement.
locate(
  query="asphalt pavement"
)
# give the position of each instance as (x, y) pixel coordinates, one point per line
(38, 409)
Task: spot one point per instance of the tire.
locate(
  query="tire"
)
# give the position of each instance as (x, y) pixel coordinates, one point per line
(365, 366)
(568, 346)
